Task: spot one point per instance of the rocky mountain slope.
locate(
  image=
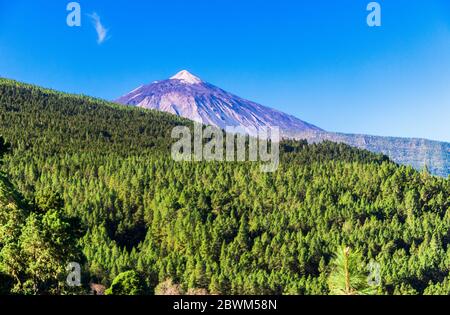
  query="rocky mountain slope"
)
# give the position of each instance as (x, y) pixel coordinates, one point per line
(188, 96)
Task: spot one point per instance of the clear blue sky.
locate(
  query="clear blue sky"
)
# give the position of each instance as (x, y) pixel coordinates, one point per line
(315, 59)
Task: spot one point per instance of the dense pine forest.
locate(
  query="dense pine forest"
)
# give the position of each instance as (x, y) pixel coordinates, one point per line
(86, 181)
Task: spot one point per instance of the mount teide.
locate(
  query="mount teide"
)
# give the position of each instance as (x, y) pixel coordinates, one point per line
(188, 96)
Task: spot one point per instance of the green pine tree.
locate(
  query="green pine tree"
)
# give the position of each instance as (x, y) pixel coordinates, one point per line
(348, 276)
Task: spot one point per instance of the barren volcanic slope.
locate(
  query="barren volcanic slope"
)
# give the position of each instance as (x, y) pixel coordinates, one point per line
(188, 96)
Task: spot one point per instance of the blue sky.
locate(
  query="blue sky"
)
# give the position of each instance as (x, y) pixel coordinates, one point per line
(315, 59)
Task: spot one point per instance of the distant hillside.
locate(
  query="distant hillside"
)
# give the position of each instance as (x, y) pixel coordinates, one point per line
(419, 153)
(52, 122)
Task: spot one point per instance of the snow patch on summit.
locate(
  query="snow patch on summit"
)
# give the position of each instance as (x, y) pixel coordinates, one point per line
(186, 77)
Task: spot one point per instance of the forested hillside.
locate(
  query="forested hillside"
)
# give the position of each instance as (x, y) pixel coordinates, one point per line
(98, 186)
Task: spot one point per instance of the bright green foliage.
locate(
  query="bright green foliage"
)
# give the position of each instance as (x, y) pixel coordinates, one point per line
(35, 246)
(48, 201)
(222, 227)
(38, 255)
(127, 283)
(348, 276)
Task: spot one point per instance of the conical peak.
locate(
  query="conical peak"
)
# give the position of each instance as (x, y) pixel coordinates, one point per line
(186, 77)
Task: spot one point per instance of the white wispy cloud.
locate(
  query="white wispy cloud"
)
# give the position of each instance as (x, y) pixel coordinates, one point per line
(102, 31)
